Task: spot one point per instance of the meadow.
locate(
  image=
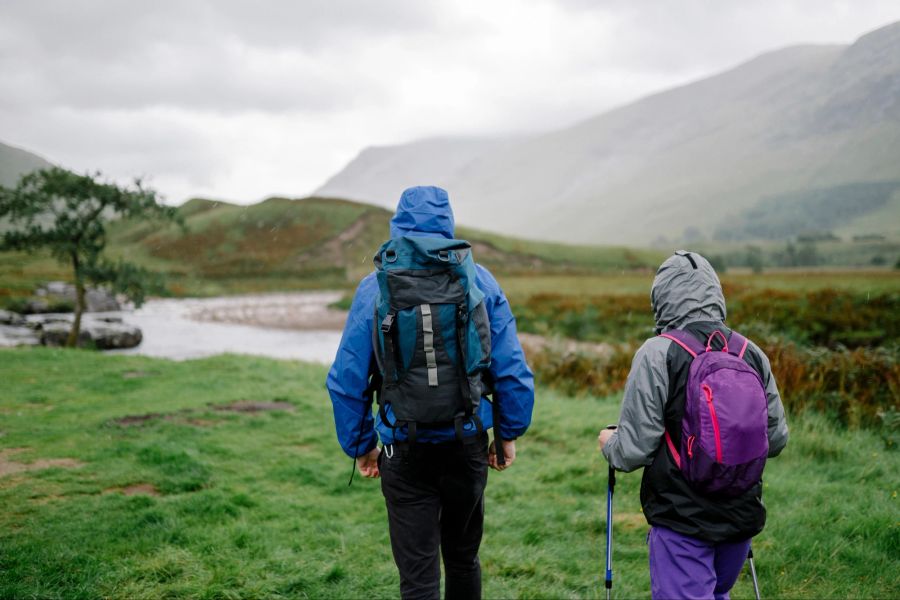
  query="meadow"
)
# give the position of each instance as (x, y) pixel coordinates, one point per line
(130, 477)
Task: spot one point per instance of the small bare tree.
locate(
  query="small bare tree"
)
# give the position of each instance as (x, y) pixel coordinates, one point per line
(68, 213)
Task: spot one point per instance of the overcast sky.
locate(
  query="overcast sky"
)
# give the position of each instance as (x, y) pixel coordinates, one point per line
(242, 100)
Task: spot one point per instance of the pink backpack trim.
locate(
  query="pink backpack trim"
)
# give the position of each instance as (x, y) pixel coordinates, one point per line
(679, 342)
(673, 449)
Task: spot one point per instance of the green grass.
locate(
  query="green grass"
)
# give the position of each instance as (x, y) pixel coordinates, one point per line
(256, 505)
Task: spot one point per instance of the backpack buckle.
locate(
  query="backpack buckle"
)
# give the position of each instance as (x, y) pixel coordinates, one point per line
(388, 323)
(444, 255)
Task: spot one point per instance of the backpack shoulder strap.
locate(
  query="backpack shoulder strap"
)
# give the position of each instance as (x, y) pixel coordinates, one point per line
(737, 344)
(686, 341)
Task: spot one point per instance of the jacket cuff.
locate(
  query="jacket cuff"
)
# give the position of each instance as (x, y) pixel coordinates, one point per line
(373, 441)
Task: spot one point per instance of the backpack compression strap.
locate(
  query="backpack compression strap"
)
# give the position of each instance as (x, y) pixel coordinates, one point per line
(389, 334)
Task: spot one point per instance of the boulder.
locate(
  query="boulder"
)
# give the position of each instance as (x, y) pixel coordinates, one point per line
(56, 333)
(110, 335)
(36, 306)
(104, 334)
(10, 318)
(95, 299)
(11, 336)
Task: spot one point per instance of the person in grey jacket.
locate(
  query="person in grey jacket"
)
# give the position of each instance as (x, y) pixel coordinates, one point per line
(698, 543)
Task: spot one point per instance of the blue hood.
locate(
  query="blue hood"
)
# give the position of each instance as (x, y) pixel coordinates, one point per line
(423, 211)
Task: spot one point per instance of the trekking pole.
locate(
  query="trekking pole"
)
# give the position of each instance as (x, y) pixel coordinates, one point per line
(610, 488)
(753, 573)
(498, 441)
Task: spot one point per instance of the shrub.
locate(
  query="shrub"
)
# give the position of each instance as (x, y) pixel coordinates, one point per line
(827, 317)
(581, 372)
(852, 387)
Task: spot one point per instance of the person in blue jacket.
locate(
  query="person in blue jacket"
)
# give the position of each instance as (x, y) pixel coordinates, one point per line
(433, 489)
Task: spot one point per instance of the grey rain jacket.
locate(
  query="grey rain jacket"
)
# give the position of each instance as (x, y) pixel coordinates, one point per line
(687, 295)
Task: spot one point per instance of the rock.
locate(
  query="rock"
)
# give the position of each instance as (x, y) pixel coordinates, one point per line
(11, 336)
(110, 335)
(101, 301)
(109, 319)
(36, 306)
(95, 299)
(10, 318)
(56, 333)
(104, 334)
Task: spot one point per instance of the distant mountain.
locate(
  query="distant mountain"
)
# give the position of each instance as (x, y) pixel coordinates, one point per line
(375, 174)
(814, 125)
(15, 162)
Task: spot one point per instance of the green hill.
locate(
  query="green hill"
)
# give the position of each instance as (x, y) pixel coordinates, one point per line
(283, 244)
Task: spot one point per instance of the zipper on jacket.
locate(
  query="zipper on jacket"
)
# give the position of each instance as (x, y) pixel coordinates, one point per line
(690, 448)
(715, 421)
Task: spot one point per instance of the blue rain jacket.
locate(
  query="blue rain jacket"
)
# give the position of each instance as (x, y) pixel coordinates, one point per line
(425, 211)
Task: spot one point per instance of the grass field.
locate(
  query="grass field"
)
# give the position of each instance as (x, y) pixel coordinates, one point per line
(237, 504)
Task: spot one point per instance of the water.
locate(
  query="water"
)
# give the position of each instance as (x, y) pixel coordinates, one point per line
(172, 327)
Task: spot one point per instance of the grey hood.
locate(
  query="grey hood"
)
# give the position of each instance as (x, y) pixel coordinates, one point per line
(686, 289)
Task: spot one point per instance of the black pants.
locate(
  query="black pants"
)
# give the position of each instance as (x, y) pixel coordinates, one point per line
(435, 503)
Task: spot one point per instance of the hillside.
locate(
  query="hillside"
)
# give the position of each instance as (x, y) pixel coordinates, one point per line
(284, 244)
(704, 160)
(15, 162)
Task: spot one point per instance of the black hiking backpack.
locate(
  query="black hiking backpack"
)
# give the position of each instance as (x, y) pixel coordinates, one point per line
(431, 335)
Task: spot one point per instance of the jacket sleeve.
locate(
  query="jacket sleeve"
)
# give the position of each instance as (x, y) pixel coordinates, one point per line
(513, 380)
(348, 378)
(642, 419)
(778, 429)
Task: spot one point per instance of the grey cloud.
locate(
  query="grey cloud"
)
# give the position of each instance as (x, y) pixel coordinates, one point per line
(227, 95)
(120, 143)
(100, 27)
(206, 56)
(702, 35)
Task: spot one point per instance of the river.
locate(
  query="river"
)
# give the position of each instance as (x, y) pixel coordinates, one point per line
(285, 325)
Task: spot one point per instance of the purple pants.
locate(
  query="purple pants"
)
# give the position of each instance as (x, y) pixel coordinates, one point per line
(682, 567)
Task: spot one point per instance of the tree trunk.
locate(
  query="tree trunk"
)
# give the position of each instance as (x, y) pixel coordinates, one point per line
(79, 304)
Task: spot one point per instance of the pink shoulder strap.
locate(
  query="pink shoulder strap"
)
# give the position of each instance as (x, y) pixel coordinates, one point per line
(738, 344)
(685, 340)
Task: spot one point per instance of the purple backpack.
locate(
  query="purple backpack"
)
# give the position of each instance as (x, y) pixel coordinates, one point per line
(724, 431)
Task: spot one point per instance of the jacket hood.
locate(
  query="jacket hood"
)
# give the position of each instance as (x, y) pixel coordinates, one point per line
(423, 211)
(686, 289)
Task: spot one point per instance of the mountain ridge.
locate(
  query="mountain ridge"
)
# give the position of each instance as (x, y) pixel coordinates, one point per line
(15, 162)
(794, 119)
